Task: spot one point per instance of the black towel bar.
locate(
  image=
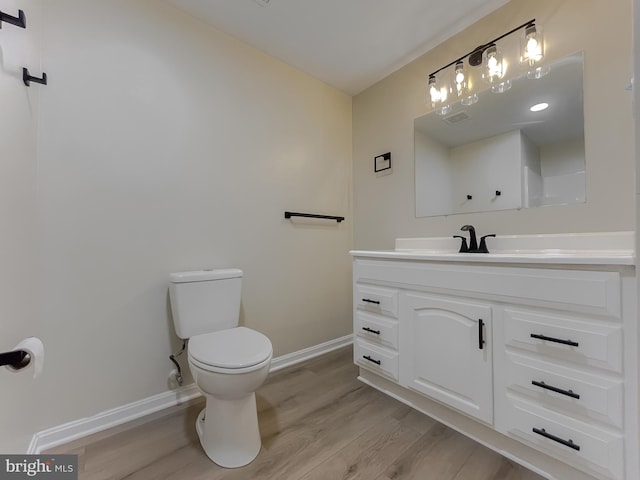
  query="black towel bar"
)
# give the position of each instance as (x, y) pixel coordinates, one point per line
(312, 215)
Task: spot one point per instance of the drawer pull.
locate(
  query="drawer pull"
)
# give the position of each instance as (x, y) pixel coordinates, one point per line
(367, 329)
(568, 393)
(367, 300)
(555, 340)
(367, 357)
(568, 443)
(481, 341)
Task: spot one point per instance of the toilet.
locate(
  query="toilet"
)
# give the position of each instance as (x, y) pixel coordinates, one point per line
(228, 362)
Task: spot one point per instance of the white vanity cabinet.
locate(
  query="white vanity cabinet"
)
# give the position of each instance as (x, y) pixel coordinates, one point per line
(559, 386)
(538, 361)
(376, 329)
(446, 351)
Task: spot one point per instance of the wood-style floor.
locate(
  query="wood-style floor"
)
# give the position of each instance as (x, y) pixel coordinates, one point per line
(317, 423)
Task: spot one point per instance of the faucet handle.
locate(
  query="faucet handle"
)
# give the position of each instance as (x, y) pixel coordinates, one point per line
(483, 243)
(463, 247)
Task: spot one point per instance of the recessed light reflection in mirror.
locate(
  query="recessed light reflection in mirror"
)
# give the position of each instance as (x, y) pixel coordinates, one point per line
(538, 107)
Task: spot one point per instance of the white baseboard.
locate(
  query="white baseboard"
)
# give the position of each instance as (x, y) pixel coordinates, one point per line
(293, 358)
(68, 432)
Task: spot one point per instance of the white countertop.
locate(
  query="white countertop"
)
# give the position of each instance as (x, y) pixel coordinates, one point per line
(615, 248)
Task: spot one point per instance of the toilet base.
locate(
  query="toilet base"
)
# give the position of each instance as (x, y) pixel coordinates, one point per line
(228, 430)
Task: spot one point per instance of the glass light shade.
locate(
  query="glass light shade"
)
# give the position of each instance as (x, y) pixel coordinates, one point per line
(433, 94)
(470, 100)
(444, 90)
(531, 45)
(438, 94)
(501, 87)
(493, 65)
(460, 80)
(538, 72)
(444, 109)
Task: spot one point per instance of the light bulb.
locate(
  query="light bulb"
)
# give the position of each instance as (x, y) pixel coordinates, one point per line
(460, 79)
(434, 93)
(494, 65)
(444, 94)
(532, 46)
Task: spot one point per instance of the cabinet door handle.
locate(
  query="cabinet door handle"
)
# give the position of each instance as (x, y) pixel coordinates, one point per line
(376, 302)
(367, 329)
(481, 341)
(556, 340)
(568, 443)
(568, 393)
(367, 357)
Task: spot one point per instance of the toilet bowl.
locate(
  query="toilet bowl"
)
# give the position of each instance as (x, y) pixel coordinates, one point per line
(228, 366)
(228, 362)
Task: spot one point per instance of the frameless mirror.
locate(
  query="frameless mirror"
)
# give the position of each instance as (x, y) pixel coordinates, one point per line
(498, 154)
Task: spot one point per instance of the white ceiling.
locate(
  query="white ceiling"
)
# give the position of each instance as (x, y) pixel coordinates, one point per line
(349, 44)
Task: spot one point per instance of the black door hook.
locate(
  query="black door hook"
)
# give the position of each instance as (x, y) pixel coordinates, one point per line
(19, 21)
(27, 78)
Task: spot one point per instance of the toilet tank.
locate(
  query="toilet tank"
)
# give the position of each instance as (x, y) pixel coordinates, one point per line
(205, 301)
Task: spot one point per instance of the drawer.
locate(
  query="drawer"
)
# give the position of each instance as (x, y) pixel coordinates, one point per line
(376, 329)
(585, 446)
(568, 338)
(377, 299)
(564, 389)
(377, 359)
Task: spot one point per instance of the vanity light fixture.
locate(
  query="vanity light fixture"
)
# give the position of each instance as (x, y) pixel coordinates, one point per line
(501, 87)
(538, 72)
(432, 91)
(494, 68)
(438, 93)
(460, 79)
(470, 99)
(531, 45)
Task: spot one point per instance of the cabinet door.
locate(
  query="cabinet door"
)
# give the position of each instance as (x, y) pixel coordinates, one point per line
(448, 352)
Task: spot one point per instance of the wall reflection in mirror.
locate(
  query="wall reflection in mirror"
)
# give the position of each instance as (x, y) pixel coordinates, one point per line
(520, 148)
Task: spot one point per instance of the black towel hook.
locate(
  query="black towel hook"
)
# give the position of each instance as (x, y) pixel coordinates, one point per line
(27, 79)
(19, 21)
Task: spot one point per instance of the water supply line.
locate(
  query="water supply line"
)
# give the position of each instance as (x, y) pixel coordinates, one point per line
(172, 357)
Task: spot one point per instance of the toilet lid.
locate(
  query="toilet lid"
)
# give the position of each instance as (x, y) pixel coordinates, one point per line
(238, 347)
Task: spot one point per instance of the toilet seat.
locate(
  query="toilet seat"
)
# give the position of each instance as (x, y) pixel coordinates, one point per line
(235, 350)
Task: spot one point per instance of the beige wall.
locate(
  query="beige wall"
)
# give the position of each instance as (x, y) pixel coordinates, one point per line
(165, 145)
(383, 121)
(18, 132)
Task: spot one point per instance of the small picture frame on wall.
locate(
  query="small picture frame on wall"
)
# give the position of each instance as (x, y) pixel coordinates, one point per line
(382, 162)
